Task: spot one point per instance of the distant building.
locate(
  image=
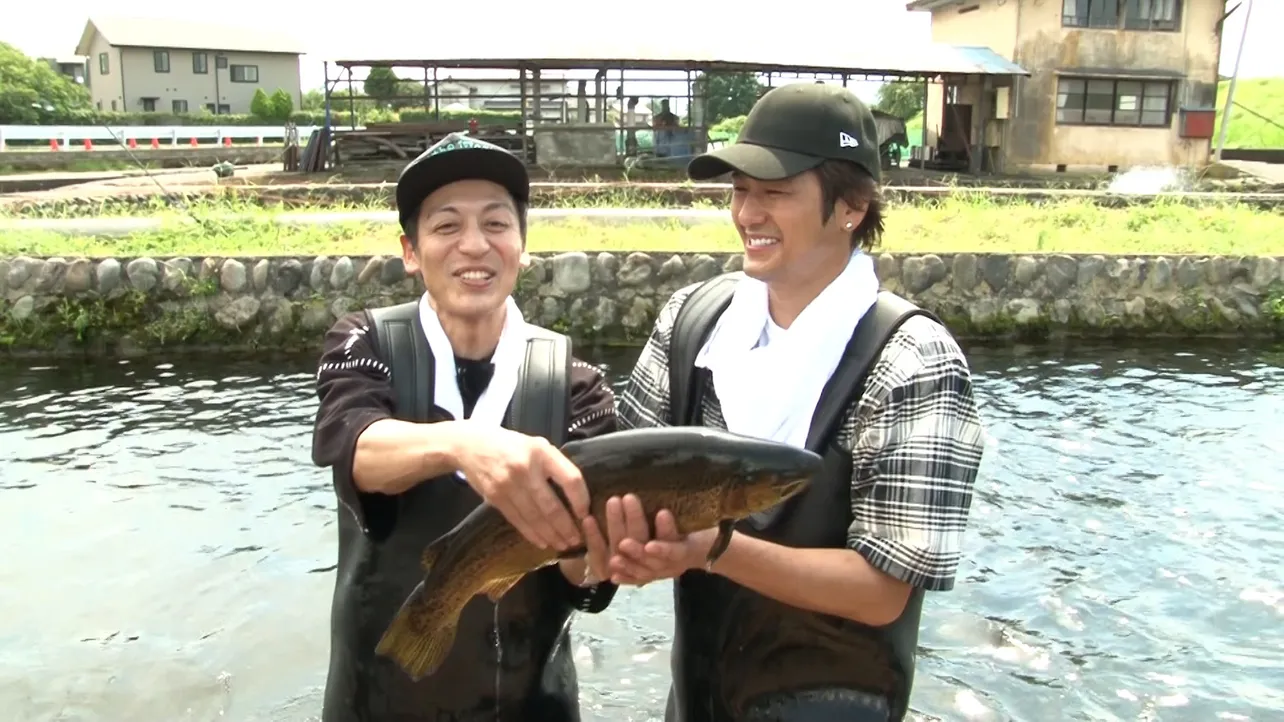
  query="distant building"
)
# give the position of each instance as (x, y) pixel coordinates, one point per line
(73, 68)
(151, 65)
(1113, 83)
(500, 90)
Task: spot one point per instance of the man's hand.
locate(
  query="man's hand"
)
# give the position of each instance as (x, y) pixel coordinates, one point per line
(625, 520)
(667, 556)
(511, 472)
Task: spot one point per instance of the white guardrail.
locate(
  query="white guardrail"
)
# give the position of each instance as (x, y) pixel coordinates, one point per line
(71, 137)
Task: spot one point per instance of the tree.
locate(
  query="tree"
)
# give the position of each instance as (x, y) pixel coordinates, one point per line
(282, 105)
(32, 93)
(381, 84)
(261, 104)
(313, 100)
(727, 95)
(903, 99)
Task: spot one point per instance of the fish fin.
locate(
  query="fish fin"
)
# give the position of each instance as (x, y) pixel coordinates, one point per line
(495, 589)
(720, 542)
(418, 651)
(432, 553)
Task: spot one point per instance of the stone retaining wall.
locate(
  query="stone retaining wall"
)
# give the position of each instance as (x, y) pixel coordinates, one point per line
(57, 306)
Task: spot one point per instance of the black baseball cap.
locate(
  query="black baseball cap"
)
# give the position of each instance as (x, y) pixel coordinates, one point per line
(453, 158)
(794, 128)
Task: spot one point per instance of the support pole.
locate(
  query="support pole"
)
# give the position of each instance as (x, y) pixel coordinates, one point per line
(1230, 92)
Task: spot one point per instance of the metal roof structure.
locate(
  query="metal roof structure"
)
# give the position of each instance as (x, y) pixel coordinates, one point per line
(632, 53)
(162, 34)
(930, 5)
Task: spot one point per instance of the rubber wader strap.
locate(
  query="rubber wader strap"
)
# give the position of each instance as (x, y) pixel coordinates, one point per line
(847, 383)
(404, 345)
(541, 401)
(691, 328)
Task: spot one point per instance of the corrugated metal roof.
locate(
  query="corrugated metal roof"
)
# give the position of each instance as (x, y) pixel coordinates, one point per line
(930, 4)
(143, 32)
(906, 59)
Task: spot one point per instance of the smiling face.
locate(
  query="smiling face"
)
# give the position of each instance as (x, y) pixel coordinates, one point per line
(468, 247)
(787, 239)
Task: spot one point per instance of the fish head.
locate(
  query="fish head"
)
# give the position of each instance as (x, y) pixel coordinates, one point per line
(767, 474)
(763, 494)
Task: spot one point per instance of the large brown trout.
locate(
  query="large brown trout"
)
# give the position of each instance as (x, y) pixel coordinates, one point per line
(705, 477)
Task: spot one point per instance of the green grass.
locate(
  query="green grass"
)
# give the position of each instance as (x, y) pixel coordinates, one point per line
(159, 205)
(1263, 96)
(958, 224)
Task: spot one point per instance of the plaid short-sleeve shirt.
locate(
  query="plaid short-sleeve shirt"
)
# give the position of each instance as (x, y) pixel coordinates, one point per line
(914, 436)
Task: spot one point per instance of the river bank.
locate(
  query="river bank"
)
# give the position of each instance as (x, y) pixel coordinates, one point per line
(128, 306)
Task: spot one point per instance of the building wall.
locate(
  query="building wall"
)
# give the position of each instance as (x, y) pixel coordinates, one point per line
(132, 76)
(105, 89)
(1030, 33)
(214, 87)
(990, 23)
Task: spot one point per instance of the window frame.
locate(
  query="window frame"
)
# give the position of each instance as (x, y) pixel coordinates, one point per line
(1121, 15)
(1146, 88)
(231, 73)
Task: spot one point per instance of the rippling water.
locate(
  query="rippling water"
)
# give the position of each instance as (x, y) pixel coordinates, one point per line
(169, 550)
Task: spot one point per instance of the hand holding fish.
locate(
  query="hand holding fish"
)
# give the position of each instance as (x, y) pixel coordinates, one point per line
(511, 472)
(625, 519)
(667, 556)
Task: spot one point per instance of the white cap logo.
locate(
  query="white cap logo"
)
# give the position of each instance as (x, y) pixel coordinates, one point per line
(846, 141)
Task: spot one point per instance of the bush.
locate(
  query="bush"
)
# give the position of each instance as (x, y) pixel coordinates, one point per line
(728, 129)
(282, 104)
(260, 104)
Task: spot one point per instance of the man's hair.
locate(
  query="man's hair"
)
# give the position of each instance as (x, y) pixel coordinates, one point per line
(848, 181)
(412, 229)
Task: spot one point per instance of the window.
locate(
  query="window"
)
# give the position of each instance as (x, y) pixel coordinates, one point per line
(103, 65)
(113, 106)
(1151, 15)
(149, 105)
(160, 60)
(245, 73)
(200, 63)
(224, 109)
(220, 62)
(1106, 101)
(1090, 13)
(179, 106)
(211, 107)
(1126, 14)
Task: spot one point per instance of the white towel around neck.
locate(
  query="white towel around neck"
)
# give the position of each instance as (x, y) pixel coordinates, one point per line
(768, 382)
(492, 406)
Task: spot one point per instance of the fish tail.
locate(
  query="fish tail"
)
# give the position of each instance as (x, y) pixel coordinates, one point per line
(419, 651)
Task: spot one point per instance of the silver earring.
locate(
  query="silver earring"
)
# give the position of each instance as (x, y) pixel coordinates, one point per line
(849, 225)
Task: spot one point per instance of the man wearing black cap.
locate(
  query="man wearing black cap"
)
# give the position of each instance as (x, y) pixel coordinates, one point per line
(430, 407)
(812, 613)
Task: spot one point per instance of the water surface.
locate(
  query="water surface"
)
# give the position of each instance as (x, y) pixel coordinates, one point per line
(170, 550)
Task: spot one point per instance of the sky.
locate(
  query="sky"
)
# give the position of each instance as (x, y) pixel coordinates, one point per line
(378, 23)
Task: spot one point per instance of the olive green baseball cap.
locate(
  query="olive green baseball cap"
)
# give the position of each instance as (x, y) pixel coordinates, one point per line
(794, 128)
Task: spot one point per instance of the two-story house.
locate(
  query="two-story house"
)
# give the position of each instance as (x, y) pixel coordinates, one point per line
(1113, 83)
(156, 65)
